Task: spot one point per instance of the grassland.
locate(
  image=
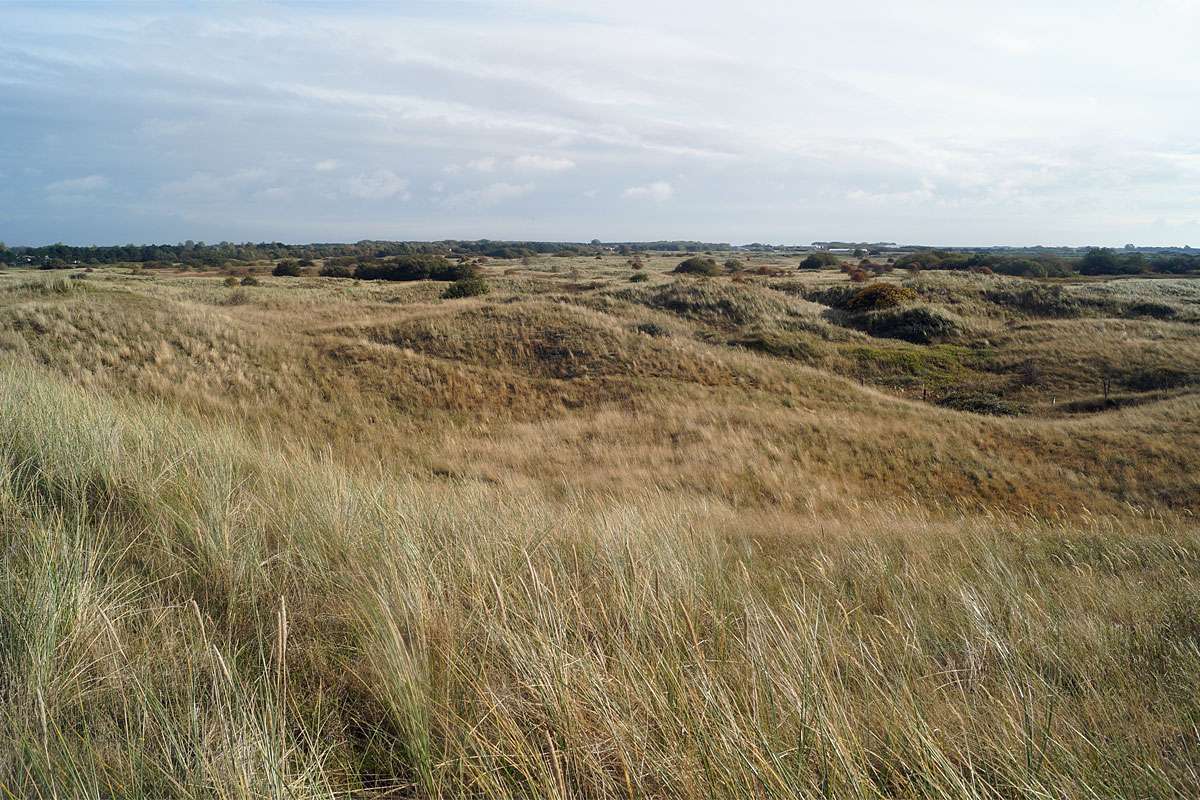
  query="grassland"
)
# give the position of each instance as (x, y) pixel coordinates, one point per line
(588, 537)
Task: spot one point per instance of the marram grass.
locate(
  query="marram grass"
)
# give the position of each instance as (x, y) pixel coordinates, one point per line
(185, 612)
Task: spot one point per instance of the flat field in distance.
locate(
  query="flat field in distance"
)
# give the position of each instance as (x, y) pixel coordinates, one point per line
(766, 533)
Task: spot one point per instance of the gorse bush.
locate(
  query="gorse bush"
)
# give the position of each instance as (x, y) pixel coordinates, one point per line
(876, 296)
(287, 269)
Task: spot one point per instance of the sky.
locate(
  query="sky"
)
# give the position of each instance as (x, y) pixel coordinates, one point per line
(953, 123)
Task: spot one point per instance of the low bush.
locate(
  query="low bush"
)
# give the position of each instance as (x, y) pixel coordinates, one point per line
(832, 296)
(414, 268)
(287, 269)
(780, 345)
(1035, 298)
(980, 402)
(639, 277)
(652, 329)
(1152, 309)
(238, 297)
(917, 324)
(470, 286)
(876, 296)
(699, 265)
(230, 281)
(336, 270)
(249, 280)
(819, 260)
(1157, 378)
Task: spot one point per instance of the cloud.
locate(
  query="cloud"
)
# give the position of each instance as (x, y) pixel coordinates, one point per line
(659, 191)
(1048, 138)
(543, 163)
(380, 185)
(487, 196)
(925, 193)
(84, 185)
(209, 186)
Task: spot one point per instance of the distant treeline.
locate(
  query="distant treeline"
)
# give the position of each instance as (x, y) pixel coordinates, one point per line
(215, 255)
(1096, 261)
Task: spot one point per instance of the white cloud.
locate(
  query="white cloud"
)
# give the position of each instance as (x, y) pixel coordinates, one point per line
(84, 185)
(487, 196)
(659, 191)
(208, 186)
(1046, 138)
(380, 185)
(543, 163)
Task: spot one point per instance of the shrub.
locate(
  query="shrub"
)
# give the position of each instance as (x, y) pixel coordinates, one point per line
(699, 265)
(336, 270)
(652, 329)
(414, 268)
(858, 275)
(230, 281)
(875, 296)
(639, 277)
(249, 280)
(1152, 379)
(819, 260)
(507, 251)
(287, 269)
(470, 286)
(917, 324)
(1151, 308)
(237, 297)
(780, 345)
(1035, 298)
(980, 402)
(733, 265)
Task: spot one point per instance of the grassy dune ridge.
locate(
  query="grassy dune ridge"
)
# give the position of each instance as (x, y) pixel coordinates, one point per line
(266, 551)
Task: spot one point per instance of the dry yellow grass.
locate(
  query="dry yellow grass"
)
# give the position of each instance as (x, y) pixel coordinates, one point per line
(326, 538)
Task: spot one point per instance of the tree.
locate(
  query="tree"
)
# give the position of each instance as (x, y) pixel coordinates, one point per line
(1099, 261)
